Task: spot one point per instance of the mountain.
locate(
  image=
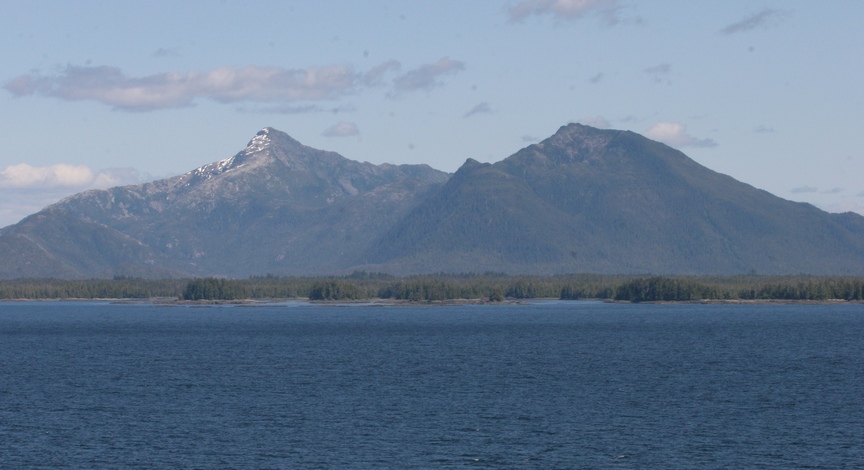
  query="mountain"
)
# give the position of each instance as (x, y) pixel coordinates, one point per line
(275, 207)
(583, 200)
(609, 201)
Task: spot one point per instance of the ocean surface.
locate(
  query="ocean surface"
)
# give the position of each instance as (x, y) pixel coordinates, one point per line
(545, 385)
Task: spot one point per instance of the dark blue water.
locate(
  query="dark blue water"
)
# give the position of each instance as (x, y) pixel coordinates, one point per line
(550, 385)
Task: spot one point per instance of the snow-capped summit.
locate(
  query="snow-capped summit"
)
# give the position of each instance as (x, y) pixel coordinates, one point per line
(260, 141)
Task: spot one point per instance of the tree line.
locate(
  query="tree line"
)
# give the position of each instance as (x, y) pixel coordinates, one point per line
(445, 286)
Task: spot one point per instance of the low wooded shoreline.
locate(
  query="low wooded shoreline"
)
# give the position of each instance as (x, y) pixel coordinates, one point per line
(449, 288)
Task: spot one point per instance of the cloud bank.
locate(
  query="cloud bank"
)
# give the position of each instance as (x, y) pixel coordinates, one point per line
(26, 189)
(62, 176)
(112, 87)
(675, 135)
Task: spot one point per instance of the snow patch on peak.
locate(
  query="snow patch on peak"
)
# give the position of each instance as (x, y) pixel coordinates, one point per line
(213, 169)
(260, 141)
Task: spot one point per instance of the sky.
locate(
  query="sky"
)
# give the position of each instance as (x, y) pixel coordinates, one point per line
(95, 94)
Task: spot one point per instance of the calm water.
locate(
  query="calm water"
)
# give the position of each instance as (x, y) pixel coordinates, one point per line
(548, 385)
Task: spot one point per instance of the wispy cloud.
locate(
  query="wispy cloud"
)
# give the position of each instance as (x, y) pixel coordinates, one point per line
(375, 76)
(804, 189)
(761, 20)
(110, 86)
(341, 129)
(675, 135)
(166, 52)
(811, 189)
(279, 87)
(426, 77)
(760, 129)
(569, 10)
(297, 109)
(658, 73)
(481, 108)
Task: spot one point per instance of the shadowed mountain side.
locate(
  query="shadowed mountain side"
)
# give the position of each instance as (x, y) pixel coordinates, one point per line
(606, 201)
(55, 244)
(482, 219)
(583, 200)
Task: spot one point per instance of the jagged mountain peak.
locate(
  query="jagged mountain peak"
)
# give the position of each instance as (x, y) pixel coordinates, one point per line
(269, 137)
(583, 200)
(260, 141)
(266, 145)
(274, 161)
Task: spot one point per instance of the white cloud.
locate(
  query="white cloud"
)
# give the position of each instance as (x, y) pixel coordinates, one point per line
(24, 176)
(272, 85)
(570, 10)
(426, 77)
(763, 19)
(341, 129)
(56, 176)
(110, 86)
(25, 189)
(675, 135)
(481, 108)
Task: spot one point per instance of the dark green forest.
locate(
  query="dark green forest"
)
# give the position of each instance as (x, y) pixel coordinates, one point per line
(442, 287)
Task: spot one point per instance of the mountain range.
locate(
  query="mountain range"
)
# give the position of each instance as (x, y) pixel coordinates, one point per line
(583, 200)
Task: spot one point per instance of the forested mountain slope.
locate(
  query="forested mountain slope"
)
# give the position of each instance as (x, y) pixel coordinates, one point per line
(608, 201)
(583, 200)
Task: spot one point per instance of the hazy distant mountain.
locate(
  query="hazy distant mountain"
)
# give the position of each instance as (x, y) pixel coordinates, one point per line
(583, 200)
(275, 207)
(607, 201)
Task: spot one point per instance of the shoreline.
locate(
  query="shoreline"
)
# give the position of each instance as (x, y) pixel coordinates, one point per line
(377, 302)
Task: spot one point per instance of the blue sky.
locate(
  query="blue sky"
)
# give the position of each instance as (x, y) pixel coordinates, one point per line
(102, 93)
